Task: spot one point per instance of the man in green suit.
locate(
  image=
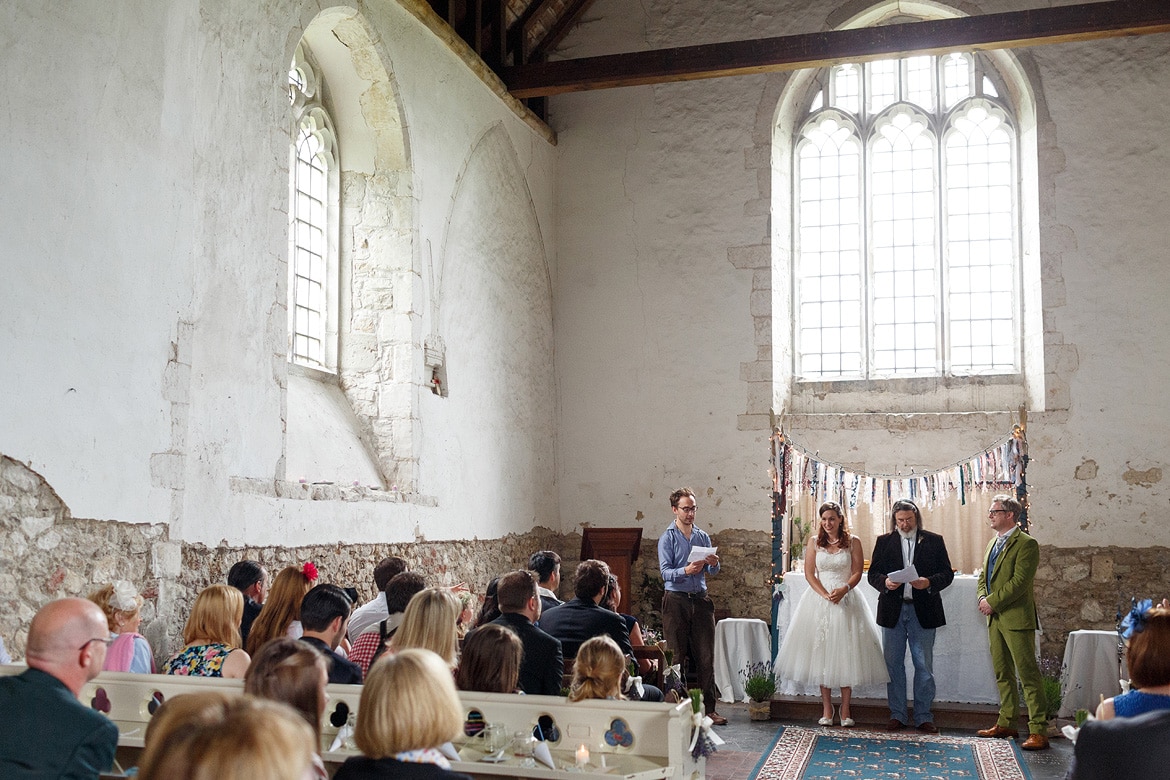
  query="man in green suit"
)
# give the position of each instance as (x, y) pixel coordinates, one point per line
(47, 732)
(1006, 598)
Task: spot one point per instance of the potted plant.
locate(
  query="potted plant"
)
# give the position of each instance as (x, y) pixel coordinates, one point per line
(759, 683)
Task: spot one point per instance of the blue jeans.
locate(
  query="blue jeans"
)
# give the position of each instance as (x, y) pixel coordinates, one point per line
(907, 631)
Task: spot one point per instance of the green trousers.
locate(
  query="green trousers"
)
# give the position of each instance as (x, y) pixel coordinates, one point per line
(1012, 653)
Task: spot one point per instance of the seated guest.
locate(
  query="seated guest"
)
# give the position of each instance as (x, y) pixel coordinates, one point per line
(1137, 747)
(547, 565)
(375, 609)
(212, 635)
(429, 623)
(324, 616)
(597, 672)
(612, 600)
(409, 707)
(490, 609)
(371, 643)
(177, 715)
(47, 732)
(129, 652)
(467, 612)
(294, 672)
(583, 617)
(281, 614)
(1147, 654)
(251, 579)
(543, 665)
(490, 661)
(245, 739)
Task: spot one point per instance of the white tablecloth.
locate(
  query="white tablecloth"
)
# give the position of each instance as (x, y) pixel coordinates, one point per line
(962, 660)
(1090, 671)
(738, 642)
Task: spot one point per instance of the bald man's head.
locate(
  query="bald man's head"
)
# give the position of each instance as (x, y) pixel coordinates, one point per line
(61, 641)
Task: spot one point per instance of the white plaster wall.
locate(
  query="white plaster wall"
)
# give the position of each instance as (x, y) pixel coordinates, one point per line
(143, 249)
(655, 191)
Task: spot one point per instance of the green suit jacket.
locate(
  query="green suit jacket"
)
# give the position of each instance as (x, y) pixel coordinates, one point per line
(1010, 591)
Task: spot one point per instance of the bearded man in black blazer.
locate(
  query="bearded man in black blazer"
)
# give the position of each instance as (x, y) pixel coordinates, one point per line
(909, 613)
(542, 664)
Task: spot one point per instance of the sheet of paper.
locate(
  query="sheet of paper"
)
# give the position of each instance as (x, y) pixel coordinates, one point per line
(909, 574)
(700, 553)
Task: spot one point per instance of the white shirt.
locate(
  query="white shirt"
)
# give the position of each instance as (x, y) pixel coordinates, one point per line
(368, 614)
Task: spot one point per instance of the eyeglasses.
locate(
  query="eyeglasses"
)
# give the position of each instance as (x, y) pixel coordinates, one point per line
(690, 510)
(107, 642)
(991, 512)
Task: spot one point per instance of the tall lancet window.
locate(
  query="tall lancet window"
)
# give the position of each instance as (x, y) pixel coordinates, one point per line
(313, 276)
(907, 238)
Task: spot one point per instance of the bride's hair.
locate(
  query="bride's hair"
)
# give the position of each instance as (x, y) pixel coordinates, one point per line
(843, 536)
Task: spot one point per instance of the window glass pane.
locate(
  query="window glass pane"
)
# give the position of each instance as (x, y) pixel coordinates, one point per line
(883, 85)
(956, 79)
(920, 82)
(847, 88)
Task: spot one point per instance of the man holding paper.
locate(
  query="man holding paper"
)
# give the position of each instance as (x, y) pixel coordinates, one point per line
(685, 557)
(909, 568)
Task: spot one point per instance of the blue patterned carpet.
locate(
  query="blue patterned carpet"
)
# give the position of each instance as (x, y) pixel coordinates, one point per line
(822, 753)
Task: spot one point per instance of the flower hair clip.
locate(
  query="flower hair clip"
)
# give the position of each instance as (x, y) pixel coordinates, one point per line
(1135, 621)
(309, 570)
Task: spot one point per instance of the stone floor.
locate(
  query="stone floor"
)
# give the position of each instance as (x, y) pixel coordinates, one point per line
(746, 741)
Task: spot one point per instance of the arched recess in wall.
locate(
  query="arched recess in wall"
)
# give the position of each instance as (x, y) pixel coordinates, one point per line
(939, 394)
(371, 403)
(494, 313)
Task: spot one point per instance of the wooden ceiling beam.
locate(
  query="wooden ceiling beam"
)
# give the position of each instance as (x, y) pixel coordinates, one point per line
(1061, 24)
(568, 17)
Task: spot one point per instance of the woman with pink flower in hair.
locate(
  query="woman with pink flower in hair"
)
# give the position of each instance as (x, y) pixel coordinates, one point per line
(281, 613)
(129, 652)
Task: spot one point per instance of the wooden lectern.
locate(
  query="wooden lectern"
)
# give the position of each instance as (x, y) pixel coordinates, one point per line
(618, 547)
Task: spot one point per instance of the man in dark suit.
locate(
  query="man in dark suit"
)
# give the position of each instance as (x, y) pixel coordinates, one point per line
(542, 665)
(910, 612)
(1123, 747)
(47, 732)
(251, 579)
(583, 617)
(547, 565)
(324, 617)
(1007, 599)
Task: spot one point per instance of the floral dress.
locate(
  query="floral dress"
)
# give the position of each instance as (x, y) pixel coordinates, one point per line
(198, 661)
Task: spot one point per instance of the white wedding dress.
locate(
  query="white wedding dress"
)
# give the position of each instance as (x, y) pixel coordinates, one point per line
(831, 644)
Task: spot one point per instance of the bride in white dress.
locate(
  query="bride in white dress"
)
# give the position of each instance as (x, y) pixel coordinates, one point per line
(832, 640)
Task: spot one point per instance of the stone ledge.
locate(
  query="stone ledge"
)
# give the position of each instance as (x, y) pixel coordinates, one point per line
(324, 491)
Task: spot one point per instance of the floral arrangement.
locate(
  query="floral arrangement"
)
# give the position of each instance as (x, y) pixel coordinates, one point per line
(759, 680)
(651, 636)
(1051, 675)
(309, 570)
(703, 739)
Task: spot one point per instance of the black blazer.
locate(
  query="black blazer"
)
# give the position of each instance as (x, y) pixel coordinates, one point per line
(341, 670)
(932, 562)
(575, 621)
(1136, 747)
(362, 768)
(542, 665)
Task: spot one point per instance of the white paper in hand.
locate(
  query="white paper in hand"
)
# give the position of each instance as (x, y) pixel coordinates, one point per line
(903, 576)
(700, 553)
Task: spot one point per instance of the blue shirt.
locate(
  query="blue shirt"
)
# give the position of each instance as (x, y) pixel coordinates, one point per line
(673, 550)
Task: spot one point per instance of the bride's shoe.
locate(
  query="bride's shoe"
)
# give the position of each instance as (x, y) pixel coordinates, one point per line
(847, 722)
(827, 721)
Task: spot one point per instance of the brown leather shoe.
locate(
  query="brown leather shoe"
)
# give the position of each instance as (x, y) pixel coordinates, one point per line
(895, 725)
(1035, 742)
(717, 719)
(998, 731)
(928, 728)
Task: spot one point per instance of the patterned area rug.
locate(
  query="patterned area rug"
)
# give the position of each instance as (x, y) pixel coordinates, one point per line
(823, 753)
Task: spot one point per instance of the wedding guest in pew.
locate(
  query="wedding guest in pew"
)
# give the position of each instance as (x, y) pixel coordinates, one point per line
(597, 672)
(174, 717)
(212, 636)
(281, 615)
(47, 732)
(1147, 655)
(251, 579)
(490, 609)
(244, 738)
(324, 617)
(129, 652)
(490, 661)
(295, 673)
(429, 623)
(547, 566)
(542, 665)
(1137, 747)
(375, 609)
(409, 708)
(643, 691)
(583, 617)
(372, 642)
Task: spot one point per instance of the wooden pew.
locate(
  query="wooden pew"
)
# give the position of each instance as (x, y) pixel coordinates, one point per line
(650, 741)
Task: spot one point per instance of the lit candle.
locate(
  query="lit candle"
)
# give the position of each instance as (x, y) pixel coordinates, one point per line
(582, 755)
